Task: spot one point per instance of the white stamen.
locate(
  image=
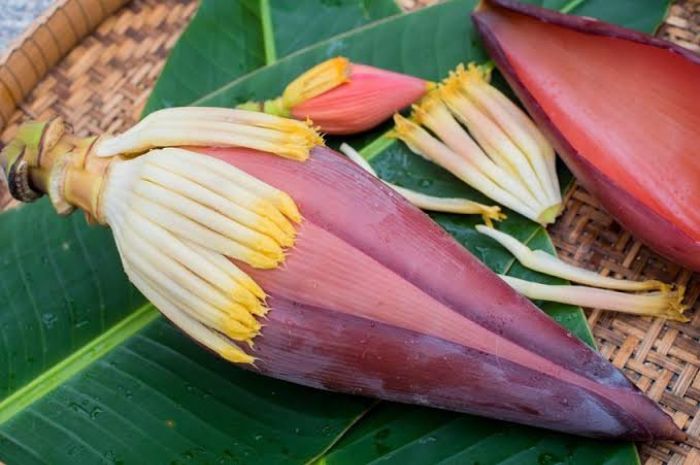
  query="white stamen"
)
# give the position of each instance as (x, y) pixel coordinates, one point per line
(543, 262)
(520, 130)
(496, 143)
(428, 202)
(191, 326)
(212, 219)
(661, 304)
(208, 198)
(440, 121)
(203, 127)
(439, 153)
(171, 160)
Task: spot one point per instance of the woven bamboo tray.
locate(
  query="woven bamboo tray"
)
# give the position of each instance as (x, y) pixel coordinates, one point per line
(106, 76)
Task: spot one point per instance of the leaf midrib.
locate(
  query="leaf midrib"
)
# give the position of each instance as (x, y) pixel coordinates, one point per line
(76, 362)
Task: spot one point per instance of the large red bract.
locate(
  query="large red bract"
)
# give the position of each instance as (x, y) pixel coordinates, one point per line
(621, 108)
(376, 299)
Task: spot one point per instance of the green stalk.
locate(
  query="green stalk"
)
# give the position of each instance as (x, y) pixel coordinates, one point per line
(268, 33)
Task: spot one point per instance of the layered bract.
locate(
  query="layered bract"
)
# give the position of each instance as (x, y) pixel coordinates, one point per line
(380, 301)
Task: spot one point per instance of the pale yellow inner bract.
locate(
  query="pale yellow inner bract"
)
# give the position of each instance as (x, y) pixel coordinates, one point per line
(179, 217)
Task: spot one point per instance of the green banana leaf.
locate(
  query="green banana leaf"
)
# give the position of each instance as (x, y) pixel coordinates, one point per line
(231, 38)
(92, 375)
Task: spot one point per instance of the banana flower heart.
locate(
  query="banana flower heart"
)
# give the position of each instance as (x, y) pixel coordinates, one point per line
(341, 97)
(279, 254)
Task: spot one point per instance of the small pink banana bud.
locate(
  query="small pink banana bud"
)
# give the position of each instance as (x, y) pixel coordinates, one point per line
(345, 98)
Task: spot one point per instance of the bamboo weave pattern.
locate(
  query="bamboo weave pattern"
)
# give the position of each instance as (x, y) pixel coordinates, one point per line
(103, 83)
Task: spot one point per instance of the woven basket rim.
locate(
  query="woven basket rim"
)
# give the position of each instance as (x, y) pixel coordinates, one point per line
(48, 39)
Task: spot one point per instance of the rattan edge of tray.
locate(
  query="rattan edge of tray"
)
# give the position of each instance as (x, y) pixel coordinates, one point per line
(44, 44)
